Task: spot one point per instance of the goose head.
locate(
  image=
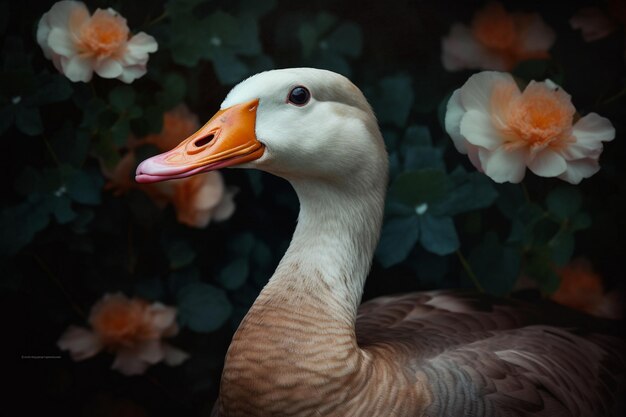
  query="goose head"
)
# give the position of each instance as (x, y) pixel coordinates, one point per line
(297, 123)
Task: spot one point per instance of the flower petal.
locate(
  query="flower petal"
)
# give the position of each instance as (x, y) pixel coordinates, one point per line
(61, 12)
(579, 169)
(210, 191)
(477, 91)
(593, 22)
(547, 163)
(108, 68)
(226, 207)
(454, 114)
(478, 129)
(534, 34)
(150, 351)
(174, 356)
(140, 45)
(594, 128)
(129, 364)
(131, 73)
(81, 343)
(161, 317)
(504, 165)
(60, 41)
(78, 68)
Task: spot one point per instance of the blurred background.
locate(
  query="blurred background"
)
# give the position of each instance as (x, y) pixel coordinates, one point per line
(75, 226)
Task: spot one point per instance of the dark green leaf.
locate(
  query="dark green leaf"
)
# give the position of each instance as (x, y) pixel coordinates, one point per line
(70, 146)
(580, 221)
(398, 238)
(417, 136)
(347, 39)
(120, 131)
(84, 187)
(52, 89)
(471, 192)
(418, 187)
(203, 307)
(174, 89)
(438, 234)
(228, 68)
(256, 8)
(540, 267)
(180, 254)
(394, 99)
(121, 98)
(564, 202)
(28, 120)
(562, 248)
(496, 265)
(150, 289)
(423, 157)
(63, 209)
(233, 275)
(19, 224)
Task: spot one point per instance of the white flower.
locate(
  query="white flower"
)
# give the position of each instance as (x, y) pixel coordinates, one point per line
(79, 44)
(496, 39)
(129, 327)
(504, 130)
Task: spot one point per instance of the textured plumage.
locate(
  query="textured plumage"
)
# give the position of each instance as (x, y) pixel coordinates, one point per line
(306, 348)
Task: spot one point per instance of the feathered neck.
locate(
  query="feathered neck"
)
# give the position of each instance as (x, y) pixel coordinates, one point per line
(299, 335)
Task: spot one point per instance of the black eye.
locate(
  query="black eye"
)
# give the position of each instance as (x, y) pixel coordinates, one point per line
(299, 96)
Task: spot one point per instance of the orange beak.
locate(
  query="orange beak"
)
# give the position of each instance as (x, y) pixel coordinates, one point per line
(227, 139)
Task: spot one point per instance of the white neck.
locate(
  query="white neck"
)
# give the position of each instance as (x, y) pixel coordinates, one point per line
(302, 323)
(333, 243)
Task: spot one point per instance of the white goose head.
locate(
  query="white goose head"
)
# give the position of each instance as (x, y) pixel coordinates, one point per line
(298, 123)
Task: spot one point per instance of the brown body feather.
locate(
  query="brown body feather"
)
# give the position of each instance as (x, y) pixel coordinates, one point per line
(435, 354)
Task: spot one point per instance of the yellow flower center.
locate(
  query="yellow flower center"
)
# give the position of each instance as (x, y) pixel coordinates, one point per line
(104, 34)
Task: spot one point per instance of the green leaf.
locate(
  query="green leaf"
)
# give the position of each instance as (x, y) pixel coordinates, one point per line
(394, 99)
(19, 224)
(417, 136)
(242, 244)
(52, 88)
(203, 307)
(228, 68)
(533, 69)
(233, 275)
(496, 265)
(398, 238)
(174, 89)
(418, 187)
(540, 267)
(256, 8)
(84, 187)
(150, 289)
(63, 210)
(120, 131)
(307, 35)
(347, 39)
(180, 254)
(564, 202)
(580, 221)
(438, 234)
(471, 192)
(121, 98)
(562, 248)
(176, 7)
(28, 120)
(70, 146)
(423, 157)
(510, 199)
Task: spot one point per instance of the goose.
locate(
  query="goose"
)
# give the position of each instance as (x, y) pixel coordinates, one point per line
(306, 348)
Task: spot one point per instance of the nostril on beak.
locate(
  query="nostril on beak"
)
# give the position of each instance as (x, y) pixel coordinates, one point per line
(203, 141)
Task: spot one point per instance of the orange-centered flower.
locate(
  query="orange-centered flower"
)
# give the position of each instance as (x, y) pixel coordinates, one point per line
(129, 327)
(199, 199)
(496, 39)
(504, 130)
(79, 44)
